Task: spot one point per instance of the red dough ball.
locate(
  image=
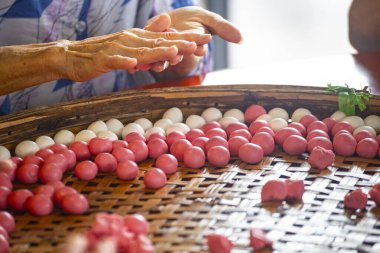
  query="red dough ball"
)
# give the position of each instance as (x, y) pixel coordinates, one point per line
(137, 224)
(39, 205)
(45, 189)
(194, 157)
(258, 239)
(59, 160)
(253, 112)
(154, 178)
(167, 163)
(321, 158)
(127, 170)
(274, 190)
(17, 199)
(134, 136)
(174, 136)
(81, 150)
(28, 174)
(295, 189)
(33, 159)
(44, 153)
(299, 127)
(218, 156)
(74, 203)
(210, 125)
(86, 170)
(5, 180)
(356, 199)
(378, 139)
(157, 147)
(216, 141)
(56, 185)
(200, 142)
(4, 193)
(251, 153)
(140, 244)
(140, 150)
(317, 125)
(57, 147)
(235, 126)
(307, 120)
(16, 160)
(316, 133)
(193, 134)
(284, 133)
(9, 167)
(266, 130)
(234, 143)
(70, 158)
(362, 135)
(121, 154)
(219, 243)
(106, 162)
(4, 244)
(216, 132)
(330, 122)
(342, 125)
(99, 145)
(295, 145)
(375, 194)
(50, 172)
(157, 135)
(256, 125)
(119, 144)
(178, 148)
(367, 148)
(7, 221)
(3, 233)
(265, 141)
(59, 194)
(241, 132)
(344, 144)
(319, 141)
(107, 225)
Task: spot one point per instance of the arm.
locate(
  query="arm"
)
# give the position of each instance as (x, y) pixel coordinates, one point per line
(28, 65)
(364, 25)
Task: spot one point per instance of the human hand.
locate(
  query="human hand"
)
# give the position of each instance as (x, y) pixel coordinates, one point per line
(129, 50)
(198, 20)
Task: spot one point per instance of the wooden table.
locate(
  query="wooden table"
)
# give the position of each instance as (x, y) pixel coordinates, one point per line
(356, 70)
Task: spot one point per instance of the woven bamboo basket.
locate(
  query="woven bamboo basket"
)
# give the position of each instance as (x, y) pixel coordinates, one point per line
(196, 202)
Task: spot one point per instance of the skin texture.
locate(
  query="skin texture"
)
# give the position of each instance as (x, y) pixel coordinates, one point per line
(364, 25)
(179, 38)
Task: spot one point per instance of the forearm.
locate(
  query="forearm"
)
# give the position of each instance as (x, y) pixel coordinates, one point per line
(24, 66)
(364, 25)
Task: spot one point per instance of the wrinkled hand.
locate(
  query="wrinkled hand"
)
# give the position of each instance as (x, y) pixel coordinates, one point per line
(131, 50)
(197, 20)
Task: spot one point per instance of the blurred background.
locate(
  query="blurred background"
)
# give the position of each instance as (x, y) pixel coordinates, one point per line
(281, 30)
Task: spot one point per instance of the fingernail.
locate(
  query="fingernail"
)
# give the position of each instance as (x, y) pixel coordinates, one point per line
(241, 40)
(166, 65)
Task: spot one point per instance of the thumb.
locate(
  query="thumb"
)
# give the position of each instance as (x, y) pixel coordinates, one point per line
(158, 23)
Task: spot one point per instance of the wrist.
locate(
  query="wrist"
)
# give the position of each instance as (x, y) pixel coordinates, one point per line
(56, 58)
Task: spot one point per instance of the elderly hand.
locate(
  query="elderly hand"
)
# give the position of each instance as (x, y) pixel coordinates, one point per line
(197, 20)
(23, 66)
(129, 49)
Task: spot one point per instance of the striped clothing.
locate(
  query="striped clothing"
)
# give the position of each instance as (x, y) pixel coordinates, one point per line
(39, 21)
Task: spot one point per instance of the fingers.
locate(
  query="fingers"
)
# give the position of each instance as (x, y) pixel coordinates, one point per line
(198, 38)
(119, 62)
(201, 50)
(158, 23)
(184, 47)
(221, 27)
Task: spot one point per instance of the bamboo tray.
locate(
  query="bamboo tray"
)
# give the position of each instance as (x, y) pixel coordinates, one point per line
(196, 202)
